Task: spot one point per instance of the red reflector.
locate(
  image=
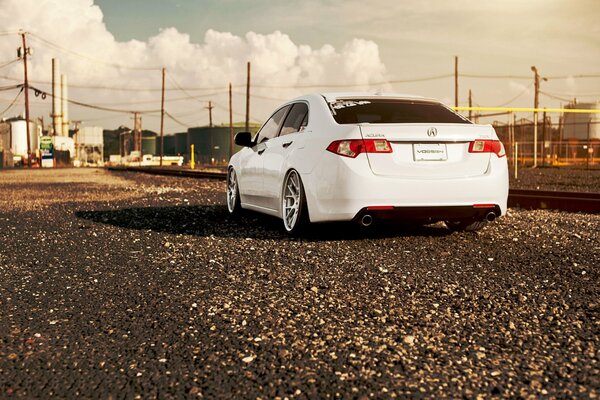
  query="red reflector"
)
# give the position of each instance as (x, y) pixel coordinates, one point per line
(375, 208)
(484, 205)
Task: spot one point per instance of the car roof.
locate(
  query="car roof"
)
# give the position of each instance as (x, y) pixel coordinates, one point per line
(333, 96)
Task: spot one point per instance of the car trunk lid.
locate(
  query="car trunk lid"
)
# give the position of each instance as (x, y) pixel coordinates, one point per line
(428, 150)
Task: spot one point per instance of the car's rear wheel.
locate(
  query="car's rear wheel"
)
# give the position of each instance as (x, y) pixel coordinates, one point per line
(233, 193)
(294, 210)
(465, 225)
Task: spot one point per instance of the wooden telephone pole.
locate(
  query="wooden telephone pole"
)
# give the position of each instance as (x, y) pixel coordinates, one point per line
(455, 81)
(470, 104)
(230, 123)
(247, 126)
(26, 89)
(162, 118)
(536, 104)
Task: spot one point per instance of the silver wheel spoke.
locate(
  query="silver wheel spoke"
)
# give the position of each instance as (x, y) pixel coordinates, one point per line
(291, 200)
(231, 191)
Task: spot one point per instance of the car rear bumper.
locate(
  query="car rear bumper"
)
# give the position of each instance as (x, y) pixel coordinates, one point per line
(428, 214)
(355, 188)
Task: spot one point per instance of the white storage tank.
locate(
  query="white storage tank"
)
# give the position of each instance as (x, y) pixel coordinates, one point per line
(17, 131)
(582, 126)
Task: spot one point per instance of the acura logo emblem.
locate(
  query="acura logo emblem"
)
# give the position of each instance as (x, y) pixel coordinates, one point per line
(431, 132)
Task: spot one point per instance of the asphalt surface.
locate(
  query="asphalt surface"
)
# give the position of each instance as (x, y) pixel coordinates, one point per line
(124, 285)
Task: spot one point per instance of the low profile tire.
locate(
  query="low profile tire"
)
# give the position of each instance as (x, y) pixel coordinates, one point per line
(294, 211)
(465, 225)
(233, 193)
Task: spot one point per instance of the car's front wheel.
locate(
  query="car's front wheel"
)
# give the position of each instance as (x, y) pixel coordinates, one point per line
(233, 193)
(294, 210)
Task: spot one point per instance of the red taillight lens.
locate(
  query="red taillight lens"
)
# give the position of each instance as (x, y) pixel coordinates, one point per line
(352, 148)
(487, 146)
(346, 148)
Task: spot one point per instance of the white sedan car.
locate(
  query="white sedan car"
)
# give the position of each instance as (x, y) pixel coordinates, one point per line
(369, 158)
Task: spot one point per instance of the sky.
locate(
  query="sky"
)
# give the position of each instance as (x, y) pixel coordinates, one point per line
(112, 52)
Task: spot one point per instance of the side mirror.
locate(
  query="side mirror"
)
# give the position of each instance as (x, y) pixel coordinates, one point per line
(243, 139)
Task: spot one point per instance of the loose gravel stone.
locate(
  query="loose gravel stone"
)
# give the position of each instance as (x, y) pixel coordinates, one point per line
(94, 303)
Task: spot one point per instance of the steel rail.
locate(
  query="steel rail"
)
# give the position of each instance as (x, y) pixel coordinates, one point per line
(520, 198)
(552, 200)
(186, 173)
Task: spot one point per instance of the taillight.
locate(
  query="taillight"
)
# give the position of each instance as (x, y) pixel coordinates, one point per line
(352, 148)
(487, 146)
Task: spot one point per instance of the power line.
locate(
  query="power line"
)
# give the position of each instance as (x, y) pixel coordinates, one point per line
(39, 92)
(191, 97)
(314, 86)
(69, 51)
(517, 96)
(261, 97)
(7, 63)
(10, 87)
(171, 100)
(11, 104)
(483, 76)
(555, 97)
(176, 120)
(573, 94)
(574, 76)
(480, 76)
(120, 88)
(236, 113)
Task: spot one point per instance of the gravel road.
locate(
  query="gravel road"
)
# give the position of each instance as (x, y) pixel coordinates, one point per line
(124, 285)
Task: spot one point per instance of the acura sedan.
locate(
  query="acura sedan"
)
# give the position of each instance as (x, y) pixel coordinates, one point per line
(370, 158)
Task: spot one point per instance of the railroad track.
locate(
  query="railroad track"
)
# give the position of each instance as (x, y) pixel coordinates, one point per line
(527, 199)
(564, 201)
(187, 173)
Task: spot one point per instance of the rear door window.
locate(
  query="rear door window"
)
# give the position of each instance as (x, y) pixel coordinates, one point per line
(271, 128)
(384, 111)
(296, 119)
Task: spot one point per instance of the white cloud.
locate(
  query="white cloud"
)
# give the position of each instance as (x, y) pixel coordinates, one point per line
(221, 58)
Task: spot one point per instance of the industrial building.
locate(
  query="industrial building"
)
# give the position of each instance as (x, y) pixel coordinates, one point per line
(211, 144)
(89, 146)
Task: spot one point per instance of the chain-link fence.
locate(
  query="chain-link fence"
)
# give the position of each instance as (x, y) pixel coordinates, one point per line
(558, 144)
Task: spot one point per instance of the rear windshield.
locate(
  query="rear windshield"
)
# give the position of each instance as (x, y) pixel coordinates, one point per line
(380, 111)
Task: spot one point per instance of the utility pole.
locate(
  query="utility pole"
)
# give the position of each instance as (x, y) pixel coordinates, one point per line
(210, 107)
(544, 139)
(26, 89)
(536, 104)
(162, 118)
(470, 104)
(247, 126)
(230, 123)
(455, 81)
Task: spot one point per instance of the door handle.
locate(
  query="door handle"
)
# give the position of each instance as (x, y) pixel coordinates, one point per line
(261, 151)
(286, 144)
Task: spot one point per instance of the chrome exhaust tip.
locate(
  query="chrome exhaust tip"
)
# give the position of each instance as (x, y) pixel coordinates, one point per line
(366, 220)
(491, 216)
